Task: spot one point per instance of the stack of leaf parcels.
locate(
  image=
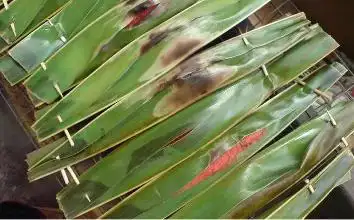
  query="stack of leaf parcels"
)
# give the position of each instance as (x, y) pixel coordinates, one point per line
(195, 131)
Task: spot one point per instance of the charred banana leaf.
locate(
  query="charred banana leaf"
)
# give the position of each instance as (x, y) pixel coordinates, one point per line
(145, 157)
(17, 16)
(272, 171)
(154, 53)
(216, 67)
(112, 128)
(43, 42)
(47, 10)
(180, 184)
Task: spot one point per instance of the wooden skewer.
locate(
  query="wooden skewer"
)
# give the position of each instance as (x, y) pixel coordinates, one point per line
(62, 38)
(334, 123)
(73, 175)
(60, 119)
(67, 134)
(63, 173)
(87, 197)
(6, 4)
(12, 25)
(56, 86)
(44, 66)
(345, 142)
(317, 91)
(13, 28)
(65, 177)
(69, 137)
(265, 71)
(310, 187)
(245, 40)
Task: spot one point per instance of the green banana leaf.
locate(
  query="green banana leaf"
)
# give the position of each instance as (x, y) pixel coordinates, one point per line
(49, 9)
(39, 113)
(46, 40)
(116, 33)
(108, 130)
(270, 172)
(30, 52)
(3, 45)
(152, 153)
(155, 52)
(347, 177)
(273, 209)
(228, 62)
(20, 13)
(303, 202)
(36, 102)
(9, 67)
(273, 117)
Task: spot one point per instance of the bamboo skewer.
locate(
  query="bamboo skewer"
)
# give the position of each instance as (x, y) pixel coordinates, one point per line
(317, 91)
(56, 86)
(265, 71)
(246, 42)
(63, 173)
(67, 134)
(310, 187)
(13, 28)
(334, 123)
(43, 66)
(12, 25)
(6, 4)
(65, 177)
(345, 142)
(73, 175)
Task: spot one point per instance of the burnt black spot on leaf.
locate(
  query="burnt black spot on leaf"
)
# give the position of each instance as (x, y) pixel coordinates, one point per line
(195, 79)
(154, 39)
(141, 7)
(181, 48)
(157, 37)
(130, 2)
(140, 13)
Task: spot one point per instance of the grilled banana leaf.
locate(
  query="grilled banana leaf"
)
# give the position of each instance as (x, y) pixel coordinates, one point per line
(153, 152)
(15, 19)
(115, 133)
(44, 150)
(49, 9)
(156, 51)
(270, 172)
(111, 128)
(11, 70)
(52, 35)
(226, 63)
(183, 182)
(303, 202)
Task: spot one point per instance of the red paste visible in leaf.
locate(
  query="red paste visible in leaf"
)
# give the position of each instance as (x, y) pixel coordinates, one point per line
(225, 160)
(141, 16)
